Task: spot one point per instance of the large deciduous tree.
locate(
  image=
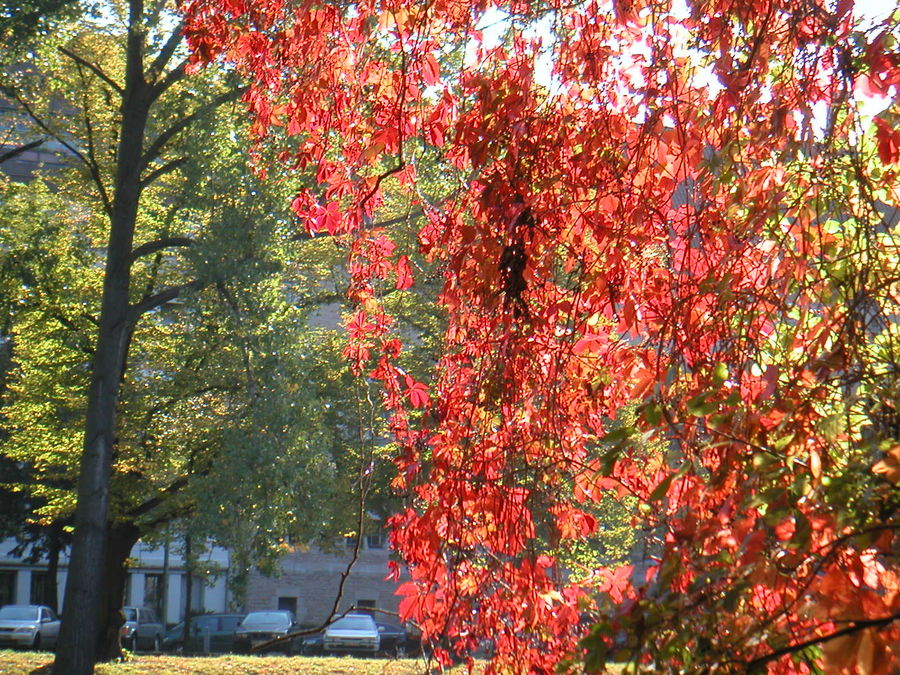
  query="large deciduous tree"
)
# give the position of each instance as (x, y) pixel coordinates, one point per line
(685, 209)
(212, 439)
(125, 245)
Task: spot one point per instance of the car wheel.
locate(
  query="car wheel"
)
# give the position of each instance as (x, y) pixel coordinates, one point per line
(36, 643)
(157, 646)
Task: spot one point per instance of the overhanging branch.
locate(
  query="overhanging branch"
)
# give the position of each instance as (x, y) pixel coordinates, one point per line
(162, 170)
(161, 298)
(93, 68)
(170, 78)
(15, 152)
(152, 503)
(152, 247)
(91, 166)
(162, 58)
(854, 627)
(156, 147)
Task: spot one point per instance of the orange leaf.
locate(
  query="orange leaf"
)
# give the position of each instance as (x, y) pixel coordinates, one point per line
(889, 467)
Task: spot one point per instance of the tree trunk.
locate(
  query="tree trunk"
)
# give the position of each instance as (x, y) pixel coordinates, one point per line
(84, 589)
(51, 592)
(122, 538)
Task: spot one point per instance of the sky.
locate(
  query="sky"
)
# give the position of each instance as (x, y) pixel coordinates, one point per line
(869, 12)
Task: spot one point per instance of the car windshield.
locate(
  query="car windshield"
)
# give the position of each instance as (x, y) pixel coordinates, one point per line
(130, 613)
(13, 613)
(265, 619)
(353, 623)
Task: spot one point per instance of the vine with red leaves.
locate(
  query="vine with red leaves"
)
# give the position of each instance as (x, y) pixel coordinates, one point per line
(685, 214)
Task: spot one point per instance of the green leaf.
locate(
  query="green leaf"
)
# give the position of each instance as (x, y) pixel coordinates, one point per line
(653, 414)
(701, 406)
(660, 490)
(720, 374)
(618, 435)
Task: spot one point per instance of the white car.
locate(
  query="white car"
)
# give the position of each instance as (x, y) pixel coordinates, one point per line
(28, 626)
(352, 633)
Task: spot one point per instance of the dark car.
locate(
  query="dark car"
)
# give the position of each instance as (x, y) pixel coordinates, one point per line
(142, 629)
(219, 627)
(312, 644)
(393, 638)
(28, 626)
(257, 628)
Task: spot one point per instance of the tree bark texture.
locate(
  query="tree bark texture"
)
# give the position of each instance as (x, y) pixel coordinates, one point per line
(51, 594)
(122, 538)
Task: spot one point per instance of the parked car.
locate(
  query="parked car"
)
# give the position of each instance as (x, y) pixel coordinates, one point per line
(142, 629)
(28, 626)
(260, 627)
(352, 633)
(219, 627)
(312, 644)
(392, 638)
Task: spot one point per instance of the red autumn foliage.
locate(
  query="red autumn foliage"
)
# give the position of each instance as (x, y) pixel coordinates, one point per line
(685, 215)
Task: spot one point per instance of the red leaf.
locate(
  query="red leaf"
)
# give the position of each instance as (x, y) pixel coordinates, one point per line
(417, 392)
(404, 273)
(431, 71)
(888, 142)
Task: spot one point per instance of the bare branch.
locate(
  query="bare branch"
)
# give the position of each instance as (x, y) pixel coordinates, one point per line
(161, 298)
(147, 506)
(165, 53)
(171, 78)
(304, 235)
(325, 298)
(15, 152)
(157, 245)
(92, 167)
(94, 68)
(246, 347)
(156, 147)
(162, 170)
(88, 125)
(854, 626)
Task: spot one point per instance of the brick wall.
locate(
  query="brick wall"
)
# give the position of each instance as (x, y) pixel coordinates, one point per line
(313, 576)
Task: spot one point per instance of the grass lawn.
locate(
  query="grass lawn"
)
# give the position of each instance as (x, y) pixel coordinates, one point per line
(39, 663)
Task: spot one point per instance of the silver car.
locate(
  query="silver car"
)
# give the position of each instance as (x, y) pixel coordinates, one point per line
(352, 633)
(28, 626)
(142, 629)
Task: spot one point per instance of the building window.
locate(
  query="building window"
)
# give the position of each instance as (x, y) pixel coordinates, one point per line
(153, 591)
(375, 541)
(288, 604)
(198, 594)
(7, 588)
(40, 585)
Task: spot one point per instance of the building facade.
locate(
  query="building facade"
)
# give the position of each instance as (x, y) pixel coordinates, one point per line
(309, 578)
(156, 579)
